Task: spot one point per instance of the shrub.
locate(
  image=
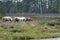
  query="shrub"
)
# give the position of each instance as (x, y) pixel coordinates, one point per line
(15, 30)
(11, 26)
(51, 24)
(24, 37)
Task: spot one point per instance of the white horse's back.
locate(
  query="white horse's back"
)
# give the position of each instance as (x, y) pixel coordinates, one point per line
(7, 18)
(19, 18)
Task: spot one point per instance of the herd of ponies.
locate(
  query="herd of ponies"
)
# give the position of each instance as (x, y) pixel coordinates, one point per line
(16, 19)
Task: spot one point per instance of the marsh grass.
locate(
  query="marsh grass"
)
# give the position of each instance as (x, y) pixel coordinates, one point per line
(29, 30)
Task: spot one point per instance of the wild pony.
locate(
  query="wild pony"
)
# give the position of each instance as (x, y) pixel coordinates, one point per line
(7, 18)
(17, 19)
(28, 19)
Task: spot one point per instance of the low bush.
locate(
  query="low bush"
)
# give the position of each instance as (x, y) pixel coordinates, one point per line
(15, 30)
(51, 24)
(23, 37)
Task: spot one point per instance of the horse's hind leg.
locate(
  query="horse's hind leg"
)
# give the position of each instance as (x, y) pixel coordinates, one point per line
(16, 20)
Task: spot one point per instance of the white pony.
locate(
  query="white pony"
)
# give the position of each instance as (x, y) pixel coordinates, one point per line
(7, 18)
(19, 19)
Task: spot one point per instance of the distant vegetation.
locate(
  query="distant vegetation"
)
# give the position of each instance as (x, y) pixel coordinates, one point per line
(30, 6)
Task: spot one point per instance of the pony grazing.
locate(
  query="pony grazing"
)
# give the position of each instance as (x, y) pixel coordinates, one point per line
(17, 19)
(7, 18)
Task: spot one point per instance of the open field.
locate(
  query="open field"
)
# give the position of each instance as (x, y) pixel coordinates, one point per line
(39, 28)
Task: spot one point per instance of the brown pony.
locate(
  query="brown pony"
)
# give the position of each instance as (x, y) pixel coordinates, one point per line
(28, 19)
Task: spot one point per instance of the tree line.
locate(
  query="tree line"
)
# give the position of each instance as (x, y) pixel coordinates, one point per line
(30, 6)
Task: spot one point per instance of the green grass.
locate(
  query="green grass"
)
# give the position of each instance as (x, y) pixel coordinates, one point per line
(28, 30)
